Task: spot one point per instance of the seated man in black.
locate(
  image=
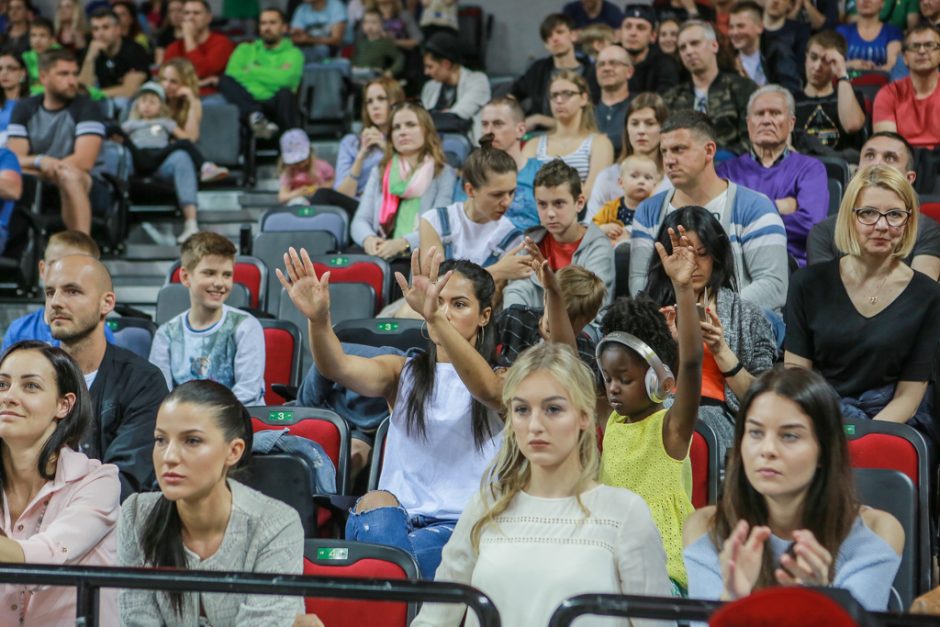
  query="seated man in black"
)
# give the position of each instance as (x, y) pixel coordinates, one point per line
(652, 70)
(115, 64)
(889, 149)
(126, 390)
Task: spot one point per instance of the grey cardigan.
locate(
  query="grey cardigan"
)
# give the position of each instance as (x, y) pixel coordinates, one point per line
(263, 535)
(749, 336)
(366, 221)
(594, 253)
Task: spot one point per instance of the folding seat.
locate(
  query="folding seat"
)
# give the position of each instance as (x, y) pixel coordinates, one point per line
(378, 454)
(249, 271)
(312, 218)
(836, 168)
(282, 356)
(894, 492)
(889, 446)
(342, 558)
(285, 477)
(705, 466)
(270, 247)
(134, 334)
(835, 196)
(401, 333)
(173, 299)
(366, 269)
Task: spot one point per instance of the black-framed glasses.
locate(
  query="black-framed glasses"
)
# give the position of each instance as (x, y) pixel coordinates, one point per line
(894, 217)
(563, 95)
(925, 46)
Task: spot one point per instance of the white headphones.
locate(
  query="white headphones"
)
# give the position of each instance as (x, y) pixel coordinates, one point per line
(659, 378)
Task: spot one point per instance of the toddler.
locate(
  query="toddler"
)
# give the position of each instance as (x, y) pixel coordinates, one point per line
(639, 176)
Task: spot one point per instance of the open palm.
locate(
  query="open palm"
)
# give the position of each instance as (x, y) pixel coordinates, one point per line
(741, 558)
(680, 264)
(423, 293)
(310, 295)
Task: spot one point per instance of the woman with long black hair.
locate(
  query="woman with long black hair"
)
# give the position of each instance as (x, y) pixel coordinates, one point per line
(202, 519)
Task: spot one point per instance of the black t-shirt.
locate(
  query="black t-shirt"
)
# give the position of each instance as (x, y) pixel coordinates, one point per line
(110, 71)
(821, 243)
(657, 72)
(819, 118)
(854, 353)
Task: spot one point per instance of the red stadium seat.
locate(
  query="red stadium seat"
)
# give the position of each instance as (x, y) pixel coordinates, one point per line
(890, 446)
(282, 356)
(340, 558)
(872, 78)
(705, 465)
(249, 271)
(931, 210)
(373, 271)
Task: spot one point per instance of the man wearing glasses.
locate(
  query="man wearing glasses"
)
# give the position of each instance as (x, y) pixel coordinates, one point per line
(614, 69)
(911, 106)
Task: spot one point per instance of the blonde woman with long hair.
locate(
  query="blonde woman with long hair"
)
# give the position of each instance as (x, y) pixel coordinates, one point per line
(70, 28)
(575, 138)
(540, 505)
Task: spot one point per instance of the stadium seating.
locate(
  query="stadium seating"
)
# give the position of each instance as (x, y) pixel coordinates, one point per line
(705, 466)
(314, 218)
(401, 333)
(349, 268)
(286, 478)
(270, 247)
(283, 348)
(173, 299)
(249, 271)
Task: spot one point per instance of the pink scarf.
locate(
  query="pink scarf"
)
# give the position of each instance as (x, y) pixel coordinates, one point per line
(400, 184)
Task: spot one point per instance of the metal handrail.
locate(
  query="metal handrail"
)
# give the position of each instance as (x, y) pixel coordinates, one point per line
(676, 609)
(88, 580)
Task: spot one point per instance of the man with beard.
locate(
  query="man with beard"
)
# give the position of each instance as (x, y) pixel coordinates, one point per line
(118, 65)
(57, 135)
(263, 75)
(126, 390)
(652, 70)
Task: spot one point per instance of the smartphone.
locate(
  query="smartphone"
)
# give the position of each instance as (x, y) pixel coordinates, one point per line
(791, 551)
(702, 314)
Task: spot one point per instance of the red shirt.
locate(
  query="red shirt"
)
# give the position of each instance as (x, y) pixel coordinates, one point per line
(209, 58)
(558, 254)
(918, 120)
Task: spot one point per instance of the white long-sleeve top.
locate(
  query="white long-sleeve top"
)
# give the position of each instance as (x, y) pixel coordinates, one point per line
(541, 551)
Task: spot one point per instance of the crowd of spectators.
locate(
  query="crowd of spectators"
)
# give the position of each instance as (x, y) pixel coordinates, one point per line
(640, 233)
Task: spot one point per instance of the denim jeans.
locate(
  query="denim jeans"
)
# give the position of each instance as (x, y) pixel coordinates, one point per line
(179, 168)
(423, 537)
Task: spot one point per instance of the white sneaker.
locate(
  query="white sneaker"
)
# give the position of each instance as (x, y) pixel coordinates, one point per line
(210, 172)
(190, 227)
(262, 127)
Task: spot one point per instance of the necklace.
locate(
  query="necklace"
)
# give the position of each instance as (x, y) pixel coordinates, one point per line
(873, 296)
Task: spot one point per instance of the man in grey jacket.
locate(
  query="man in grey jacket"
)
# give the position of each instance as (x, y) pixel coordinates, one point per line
(562, 240)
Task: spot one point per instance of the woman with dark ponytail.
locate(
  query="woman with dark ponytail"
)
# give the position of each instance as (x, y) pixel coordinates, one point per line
(59, 507)
(202, 519)
(477, 229)
(442, 434)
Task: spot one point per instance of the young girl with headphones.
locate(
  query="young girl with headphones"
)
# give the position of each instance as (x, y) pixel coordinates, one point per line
(646, 445)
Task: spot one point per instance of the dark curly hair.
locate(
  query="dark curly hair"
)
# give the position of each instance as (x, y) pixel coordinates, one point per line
(640, 317)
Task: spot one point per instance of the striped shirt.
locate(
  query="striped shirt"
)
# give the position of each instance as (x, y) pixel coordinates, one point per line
(758, 243)
(580, 159)
(53, 133)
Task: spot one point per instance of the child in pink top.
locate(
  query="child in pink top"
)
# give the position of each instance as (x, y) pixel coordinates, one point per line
(301, 173)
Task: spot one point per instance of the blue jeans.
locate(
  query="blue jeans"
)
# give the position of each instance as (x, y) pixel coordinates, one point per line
(179, 168)
(423, 537)
(777, 324)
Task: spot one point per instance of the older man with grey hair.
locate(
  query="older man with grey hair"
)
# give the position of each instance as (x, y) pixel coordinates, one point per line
(796, 183)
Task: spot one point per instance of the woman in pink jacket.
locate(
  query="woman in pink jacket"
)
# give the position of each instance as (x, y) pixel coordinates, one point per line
(58, 506)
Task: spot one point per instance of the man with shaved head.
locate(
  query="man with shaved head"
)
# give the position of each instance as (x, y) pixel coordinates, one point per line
(126, 390)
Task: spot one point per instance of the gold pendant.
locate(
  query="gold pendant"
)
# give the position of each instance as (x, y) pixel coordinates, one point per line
(872, 299)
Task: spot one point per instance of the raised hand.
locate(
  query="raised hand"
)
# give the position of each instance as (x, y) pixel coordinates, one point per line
(310, 295)
(741, 558)
(811, 565)
(422, 295)
(669, 313)
(681, 263)
(546, 275)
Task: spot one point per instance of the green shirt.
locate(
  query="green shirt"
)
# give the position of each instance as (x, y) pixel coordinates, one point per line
(263, 71)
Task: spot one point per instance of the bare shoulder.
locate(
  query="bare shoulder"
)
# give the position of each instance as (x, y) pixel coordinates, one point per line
(697, 524)
(885, 526)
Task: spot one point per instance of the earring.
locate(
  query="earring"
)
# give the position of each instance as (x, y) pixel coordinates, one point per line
(424, 331)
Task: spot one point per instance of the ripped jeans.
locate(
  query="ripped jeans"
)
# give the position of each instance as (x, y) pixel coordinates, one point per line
(423, 537)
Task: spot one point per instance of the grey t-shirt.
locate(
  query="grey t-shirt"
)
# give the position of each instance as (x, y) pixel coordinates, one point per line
(155, 133)
(54, 133)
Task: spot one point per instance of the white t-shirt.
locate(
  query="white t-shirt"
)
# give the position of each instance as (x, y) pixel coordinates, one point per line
(753, 68)
(90, 378)
(472, 240)
(715, 206)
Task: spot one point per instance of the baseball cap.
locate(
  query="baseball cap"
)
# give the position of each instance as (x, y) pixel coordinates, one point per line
(295, 146)
(153, 88)
(641, 11)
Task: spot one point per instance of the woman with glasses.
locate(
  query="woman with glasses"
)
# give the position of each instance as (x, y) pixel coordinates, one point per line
(575, 139)
(867, 322)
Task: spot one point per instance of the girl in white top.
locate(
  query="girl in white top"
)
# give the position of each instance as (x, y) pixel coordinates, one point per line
(441, 436)
(477, 228)
(540, 506)
(575, 139)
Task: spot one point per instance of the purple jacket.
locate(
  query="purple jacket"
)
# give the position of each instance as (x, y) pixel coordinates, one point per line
(793, 175)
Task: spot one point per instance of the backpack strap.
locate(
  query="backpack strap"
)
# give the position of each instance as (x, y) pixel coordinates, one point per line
(500, 249)
(447, 237)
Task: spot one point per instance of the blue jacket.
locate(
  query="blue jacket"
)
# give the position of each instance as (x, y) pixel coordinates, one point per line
(322, 472)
